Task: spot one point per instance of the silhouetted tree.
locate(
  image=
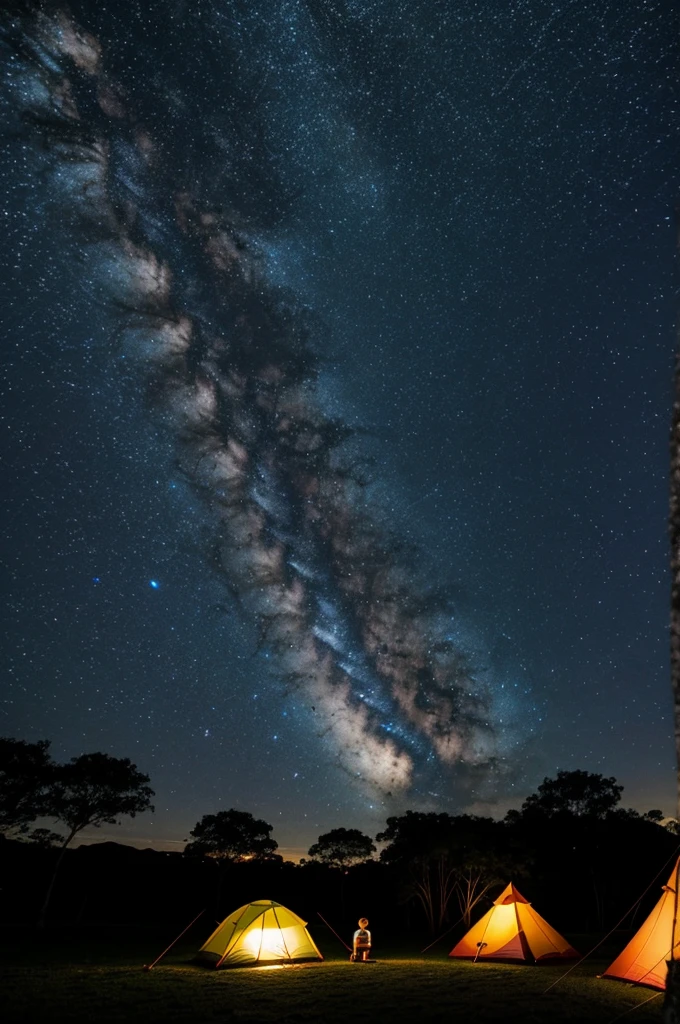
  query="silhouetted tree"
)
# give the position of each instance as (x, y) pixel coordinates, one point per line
(579, 793)
(576, 832)
(441, 855)
(93, 790)
(341, 847)
(231, 836)
(26, 773)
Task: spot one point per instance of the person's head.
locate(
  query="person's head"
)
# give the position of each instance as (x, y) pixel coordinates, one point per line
(363, 922)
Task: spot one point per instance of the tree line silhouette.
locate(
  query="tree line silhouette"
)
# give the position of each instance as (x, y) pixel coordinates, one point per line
(579, 854)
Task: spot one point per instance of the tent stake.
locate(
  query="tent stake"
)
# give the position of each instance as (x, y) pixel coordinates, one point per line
(149, 967)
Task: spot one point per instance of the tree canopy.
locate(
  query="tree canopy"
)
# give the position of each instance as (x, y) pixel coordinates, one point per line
(231, 836)
(97, 789)
(93, 790)
(342, 846)
(26, 772)
(577, 793)
(415, 835)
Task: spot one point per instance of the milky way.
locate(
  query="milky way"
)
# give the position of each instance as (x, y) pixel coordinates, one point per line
(339, 342)
(228, 364)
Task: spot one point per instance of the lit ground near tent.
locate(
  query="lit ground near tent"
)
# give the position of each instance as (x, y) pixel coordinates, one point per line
(82, 979)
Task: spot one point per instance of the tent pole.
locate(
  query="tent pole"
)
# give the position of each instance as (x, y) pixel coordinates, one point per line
(520, 932)
(259, 952)
(231, 941)
(481, 943)
(675, 910)
(276, 918)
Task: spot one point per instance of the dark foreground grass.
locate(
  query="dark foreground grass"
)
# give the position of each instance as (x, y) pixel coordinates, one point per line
(67, 978)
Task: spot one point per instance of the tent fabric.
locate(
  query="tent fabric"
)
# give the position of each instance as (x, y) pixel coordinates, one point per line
(512, 930)
(656, 941)
(258, 933)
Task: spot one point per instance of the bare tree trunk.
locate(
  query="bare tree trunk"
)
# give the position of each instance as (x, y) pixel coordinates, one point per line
(40, 923)
(423, 886)
(470, 889)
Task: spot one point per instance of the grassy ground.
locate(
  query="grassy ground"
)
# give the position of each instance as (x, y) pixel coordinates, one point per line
(75, 978)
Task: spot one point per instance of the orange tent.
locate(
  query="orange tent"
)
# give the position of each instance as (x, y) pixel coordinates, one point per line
(656, 941)
(512, 930)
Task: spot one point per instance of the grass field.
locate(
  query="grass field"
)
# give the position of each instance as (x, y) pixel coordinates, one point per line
(99, 978)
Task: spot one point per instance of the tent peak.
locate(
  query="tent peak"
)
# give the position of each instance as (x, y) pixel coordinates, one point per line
(510, 894)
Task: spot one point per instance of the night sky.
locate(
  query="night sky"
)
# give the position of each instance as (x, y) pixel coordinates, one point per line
(338, 347)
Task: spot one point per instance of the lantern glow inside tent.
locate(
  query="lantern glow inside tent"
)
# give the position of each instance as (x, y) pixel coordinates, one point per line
(656, 941)
(263, 932)
(512, 930)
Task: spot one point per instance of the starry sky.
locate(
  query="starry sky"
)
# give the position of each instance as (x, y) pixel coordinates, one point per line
(338, 349)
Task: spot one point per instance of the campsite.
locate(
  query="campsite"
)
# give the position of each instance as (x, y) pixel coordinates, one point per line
(137, 934)
(340, 365)
(534, 917)
(96, 975)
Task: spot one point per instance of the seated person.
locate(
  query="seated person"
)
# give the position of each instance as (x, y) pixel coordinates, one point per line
(361, 945)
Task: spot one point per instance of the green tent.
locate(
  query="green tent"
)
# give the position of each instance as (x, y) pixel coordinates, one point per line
(262, 932)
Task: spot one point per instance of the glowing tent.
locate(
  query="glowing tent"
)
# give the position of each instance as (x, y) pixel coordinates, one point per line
(512, 930)
(259, 933)
(656, 941)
